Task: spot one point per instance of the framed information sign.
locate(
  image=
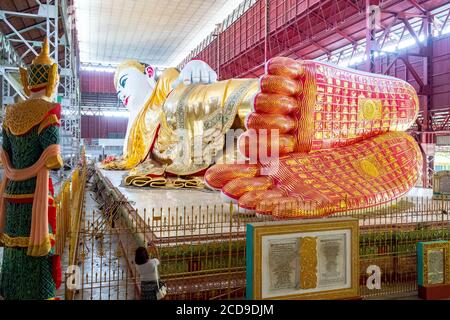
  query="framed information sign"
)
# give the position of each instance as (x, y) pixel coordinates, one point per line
(433, 263)
(433, 269)
(441, 185)
(308, 259)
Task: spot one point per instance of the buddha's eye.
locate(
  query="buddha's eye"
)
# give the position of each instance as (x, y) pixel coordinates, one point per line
(123, 81)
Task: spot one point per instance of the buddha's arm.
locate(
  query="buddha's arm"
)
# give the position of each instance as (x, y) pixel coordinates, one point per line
(200, 116)
(200, 107)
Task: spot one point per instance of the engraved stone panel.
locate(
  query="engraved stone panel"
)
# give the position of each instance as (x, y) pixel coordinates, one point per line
(441, 185)
(436, 266)
(332, 260)
(444, 184)
(283, 265)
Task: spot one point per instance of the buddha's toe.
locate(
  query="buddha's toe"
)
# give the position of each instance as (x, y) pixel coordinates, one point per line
(251, 199)
(220, 174)
(236, 188)
(265, 145)
(286, 67)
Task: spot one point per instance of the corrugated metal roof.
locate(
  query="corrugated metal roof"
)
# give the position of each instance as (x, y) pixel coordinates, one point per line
(152, 31)
(31, 26)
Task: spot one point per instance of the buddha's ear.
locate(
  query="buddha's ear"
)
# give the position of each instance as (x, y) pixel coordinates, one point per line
(24, 80)
(149, 71)
(52, 79)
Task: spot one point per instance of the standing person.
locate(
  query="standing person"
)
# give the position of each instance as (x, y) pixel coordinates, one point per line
(148, 271)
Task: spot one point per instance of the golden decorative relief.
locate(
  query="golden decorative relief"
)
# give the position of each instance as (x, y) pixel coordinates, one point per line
(54, 162)
(41, 249)
(162, 182)
(53, 79)
(48, 121)
(20, 242)
(308, 262)
(14, 242)
(24, 80)
(23, 116)
(369, 109)
(18, 196)
(369, 168)
(305, 132)
(148, 168)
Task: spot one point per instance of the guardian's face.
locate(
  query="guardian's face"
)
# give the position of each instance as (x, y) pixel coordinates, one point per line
(134, 87)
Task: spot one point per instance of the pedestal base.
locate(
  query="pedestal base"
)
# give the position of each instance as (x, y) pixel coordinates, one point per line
(435, 292)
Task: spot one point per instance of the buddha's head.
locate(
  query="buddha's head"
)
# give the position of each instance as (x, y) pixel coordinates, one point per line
(134, 83)
(41, 77)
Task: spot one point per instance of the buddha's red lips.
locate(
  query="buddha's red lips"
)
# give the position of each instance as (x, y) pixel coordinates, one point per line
(125, 102)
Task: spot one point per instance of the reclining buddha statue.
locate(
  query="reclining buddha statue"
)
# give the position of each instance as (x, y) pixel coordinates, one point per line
(339, 134)
(31, 262)
(168, 114)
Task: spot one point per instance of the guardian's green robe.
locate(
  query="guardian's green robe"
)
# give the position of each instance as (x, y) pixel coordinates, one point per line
(24, 140)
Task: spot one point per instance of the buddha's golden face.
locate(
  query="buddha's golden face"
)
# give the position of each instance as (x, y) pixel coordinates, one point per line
(134, 87)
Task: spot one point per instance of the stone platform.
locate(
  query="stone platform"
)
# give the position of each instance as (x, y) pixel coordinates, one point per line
(164, 209)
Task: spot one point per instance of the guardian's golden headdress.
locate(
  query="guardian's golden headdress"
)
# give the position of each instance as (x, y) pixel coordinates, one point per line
(42, 73)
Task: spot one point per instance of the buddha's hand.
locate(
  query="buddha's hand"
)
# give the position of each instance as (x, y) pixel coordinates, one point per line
(196, 71)
(297, 111)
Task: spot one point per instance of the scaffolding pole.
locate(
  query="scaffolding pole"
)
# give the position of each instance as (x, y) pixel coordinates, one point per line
(48, 19)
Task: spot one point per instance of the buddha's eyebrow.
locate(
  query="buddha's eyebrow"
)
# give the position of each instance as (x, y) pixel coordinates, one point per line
(120, 80)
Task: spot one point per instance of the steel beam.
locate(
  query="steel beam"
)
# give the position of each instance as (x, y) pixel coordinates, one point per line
(414, 73)
(34, 26)
(418, 6)
(17, 33)
(442, 127)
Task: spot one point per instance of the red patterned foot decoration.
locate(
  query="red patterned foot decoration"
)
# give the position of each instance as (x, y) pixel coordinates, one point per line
(338, 132)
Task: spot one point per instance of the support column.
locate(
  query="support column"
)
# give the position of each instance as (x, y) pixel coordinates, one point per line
(423, 78)
(428, 146)
(428, 136)
(427, 89)
(372, 18)
(217, 35)
(266, 31)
